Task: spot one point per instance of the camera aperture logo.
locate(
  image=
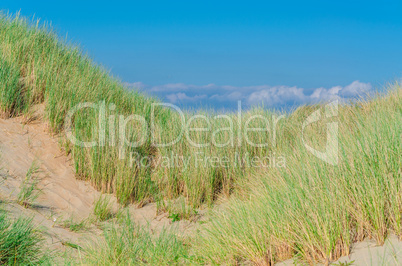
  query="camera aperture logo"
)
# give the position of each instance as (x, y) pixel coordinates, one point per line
(330, 155)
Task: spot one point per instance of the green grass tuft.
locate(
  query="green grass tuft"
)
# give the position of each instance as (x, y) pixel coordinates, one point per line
(103, 208)
(29, 191)
(130, 244)
(21, 243)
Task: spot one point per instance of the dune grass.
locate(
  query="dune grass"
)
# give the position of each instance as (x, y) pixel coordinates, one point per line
(315, 212)
(29, 190)
(103, 208)
(39, 68)
(129, 244)
(20, 243)
(75, 225)
(308, 209)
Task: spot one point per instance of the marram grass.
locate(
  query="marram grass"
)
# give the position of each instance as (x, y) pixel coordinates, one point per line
(21, 243)
(38, 68)
(309, 209)
(129, 244)
(314, 211)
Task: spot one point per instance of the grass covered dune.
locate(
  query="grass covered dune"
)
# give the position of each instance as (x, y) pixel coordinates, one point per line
(39, 68)
(314, 211)
(309, 209)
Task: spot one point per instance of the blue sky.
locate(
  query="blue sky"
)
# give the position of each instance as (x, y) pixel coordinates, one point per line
(266, 47)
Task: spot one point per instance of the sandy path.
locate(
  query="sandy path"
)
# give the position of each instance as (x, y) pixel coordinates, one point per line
(21, 146)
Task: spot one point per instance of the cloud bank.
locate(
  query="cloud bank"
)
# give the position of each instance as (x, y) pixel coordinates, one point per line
(226, 97)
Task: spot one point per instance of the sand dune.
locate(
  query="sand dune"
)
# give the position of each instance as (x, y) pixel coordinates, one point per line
(63, 196)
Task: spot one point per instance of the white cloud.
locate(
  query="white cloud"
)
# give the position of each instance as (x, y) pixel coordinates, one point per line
(277, 96)
(181, 97)
(355, 89)
(270, 96)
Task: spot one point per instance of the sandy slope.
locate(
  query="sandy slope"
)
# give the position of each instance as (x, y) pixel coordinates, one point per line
(369, 253)
(63, 196)
(20, 146)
